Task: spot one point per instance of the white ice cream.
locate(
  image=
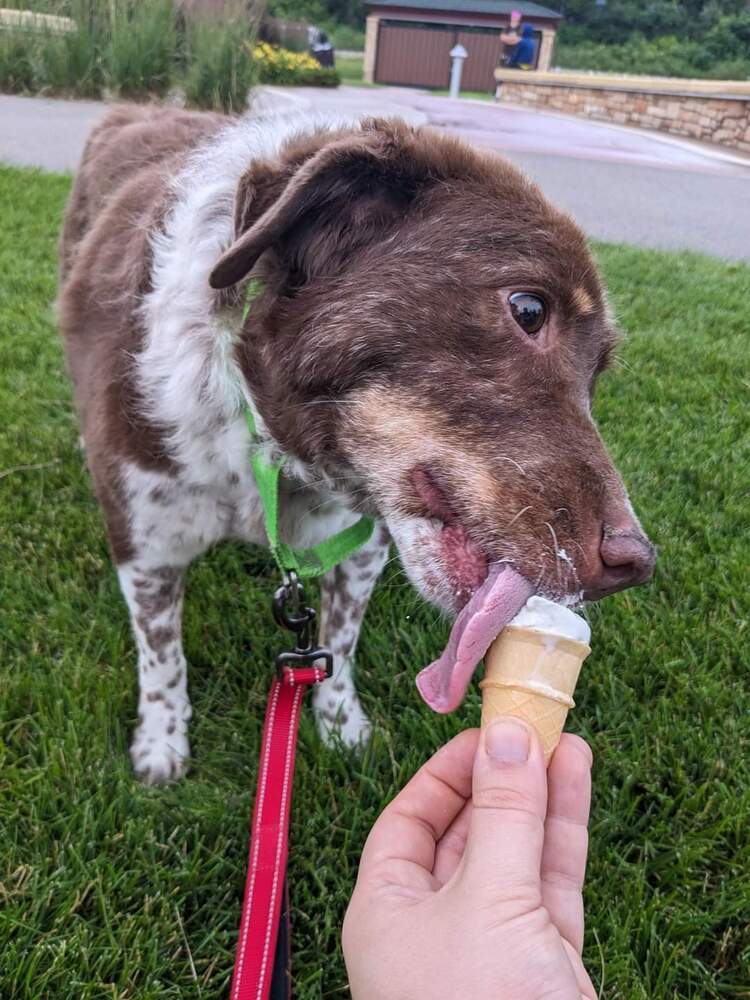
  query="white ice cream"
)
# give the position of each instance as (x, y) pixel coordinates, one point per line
(555, 619)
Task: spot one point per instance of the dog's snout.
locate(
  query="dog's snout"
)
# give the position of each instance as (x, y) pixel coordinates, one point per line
(626, 558)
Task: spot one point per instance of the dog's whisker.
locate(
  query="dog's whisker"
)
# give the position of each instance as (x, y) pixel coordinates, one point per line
(516, 516)
(505, 458)
(556, 549)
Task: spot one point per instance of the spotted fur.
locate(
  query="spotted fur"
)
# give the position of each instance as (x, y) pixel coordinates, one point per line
(381, 359)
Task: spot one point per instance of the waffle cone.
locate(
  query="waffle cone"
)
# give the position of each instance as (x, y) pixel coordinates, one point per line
(532, 675)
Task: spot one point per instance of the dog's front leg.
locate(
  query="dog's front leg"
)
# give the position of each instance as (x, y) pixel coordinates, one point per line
(345, 592)
(160, 748)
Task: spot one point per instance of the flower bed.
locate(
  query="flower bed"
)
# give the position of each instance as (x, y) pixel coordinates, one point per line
(283, 67)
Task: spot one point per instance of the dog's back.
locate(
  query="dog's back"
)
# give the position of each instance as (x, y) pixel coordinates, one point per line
(126, 141)
(119, 200)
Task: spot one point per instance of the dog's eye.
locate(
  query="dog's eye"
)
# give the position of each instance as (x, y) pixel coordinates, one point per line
(529, 311)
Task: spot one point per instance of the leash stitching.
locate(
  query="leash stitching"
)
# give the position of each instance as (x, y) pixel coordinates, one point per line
(256, 845)
(289, 757)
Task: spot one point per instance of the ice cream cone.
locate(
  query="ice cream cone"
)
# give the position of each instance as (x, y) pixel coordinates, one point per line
(532, 675)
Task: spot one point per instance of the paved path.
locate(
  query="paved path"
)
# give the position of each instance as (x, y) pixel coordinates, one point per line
(621, 184)
(38, 132)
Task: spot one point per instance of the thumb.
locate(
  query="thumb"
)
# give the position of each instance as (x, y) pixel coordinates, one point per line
(509, 802)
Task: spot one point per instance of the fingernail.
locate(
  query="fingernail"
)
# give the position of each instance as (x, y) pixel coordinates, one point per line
(507, 742)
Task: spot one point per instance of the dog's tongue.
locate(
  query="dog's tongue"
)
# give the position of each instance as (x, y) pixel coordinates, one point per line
(502, 595)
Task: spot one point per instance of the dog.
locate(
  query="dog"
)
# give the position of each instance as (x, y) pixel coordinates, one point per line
(424, 348)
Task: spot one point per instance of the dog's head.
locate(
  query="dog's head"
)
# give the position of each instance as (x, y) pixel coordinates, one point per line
(431, 330)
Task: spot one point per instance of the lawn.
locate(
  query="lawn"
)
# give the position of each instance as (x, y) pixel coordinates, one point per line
(350, 70)
(111, 890)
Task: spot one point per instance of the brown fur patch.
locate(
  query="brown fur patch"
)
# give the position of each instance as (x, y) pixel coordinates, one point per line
(582, 301)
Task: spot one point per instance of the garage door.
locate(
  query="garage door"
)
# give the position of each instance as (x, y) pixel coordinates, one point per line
(485, 49)
(413, 55)
(416, 54)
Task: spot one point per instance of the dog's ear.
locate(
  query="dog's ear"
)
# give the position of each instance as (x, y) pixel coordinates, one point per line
(314, 213)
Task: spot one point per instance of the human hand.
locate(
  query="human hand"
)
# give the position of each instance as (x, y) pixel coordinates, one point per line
(470, 882)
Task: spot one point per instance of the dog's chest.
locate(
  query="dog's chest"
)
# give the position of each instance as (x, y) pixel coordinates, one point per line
(214, 497)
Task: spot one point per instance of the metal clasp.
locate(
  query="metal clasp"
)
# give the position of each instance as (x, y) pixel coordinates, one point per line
(291, 612)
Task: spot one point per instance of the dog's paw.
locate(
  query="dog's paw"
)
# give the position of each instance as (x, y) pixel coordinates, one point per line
(159, 760)
(341, 720)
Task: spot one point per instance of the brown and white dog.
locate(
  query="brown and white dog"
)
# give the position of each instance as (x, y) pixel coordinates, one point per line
(425, 349)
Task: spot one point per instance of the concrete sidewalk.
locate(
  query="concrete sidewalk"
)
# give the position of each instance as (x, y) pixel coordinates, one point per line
(620, 184)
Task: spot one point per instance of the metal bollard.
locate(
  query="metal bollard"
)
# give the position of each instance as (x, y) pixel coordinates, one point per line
(458, 53)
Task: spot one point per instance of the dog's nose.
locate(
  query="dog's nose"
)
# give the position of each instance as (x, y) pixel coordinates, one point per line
(626, 559)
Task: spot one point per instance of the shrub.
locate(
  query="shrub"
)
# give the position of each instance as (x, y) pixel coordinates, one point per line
(729, 39)
(280, 66)
(132, 48)
(49, 62)
(665, 56)
(345, 37)
(17, 59)
(220, 69)
(70, 63)
(138, 52)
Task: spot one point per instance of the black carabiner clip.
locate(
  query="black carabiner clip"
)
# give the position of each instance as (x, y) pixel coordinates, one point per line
(292, 613)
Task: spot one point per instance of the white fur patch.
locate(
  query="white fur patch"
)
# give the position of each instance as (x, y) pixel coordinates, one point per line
(191, 384)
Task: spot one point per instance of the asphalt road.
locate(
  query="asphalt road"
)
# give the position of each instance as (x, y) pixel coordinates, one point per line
(620, 184)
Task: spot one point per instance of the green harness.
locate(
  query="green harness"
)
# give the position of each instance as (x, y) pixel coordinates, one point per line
(317, 559)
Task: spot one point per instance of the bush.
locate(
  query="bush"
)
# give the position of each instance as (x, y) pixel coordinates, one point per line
(133, 49)
(345, 37)
(665, 56)
(280, 66)
(220, 69)
(325, 13)
(138, 52)
(48, 62)
(619, 20)
(729, 39)
(664, 37)
(16, 63)
(70, 63)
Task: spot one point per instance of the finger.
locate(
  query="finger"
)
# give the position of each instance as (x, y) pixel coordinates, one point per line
(504, 850)
(584, 981)
(413, 823)
(566, 837)
(451, 846)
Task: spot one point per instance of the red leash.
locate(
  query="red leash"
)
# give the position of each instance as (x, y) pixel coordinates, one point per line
(264, 888)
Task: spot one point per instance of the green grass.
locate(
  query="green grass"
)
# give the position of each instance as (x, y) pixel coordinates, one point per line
(95, 869)
(350, 69)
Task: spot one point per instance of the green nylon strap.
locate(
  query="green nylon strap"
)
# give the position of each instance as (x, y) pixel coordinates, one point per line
(317, 559)
(253, 290)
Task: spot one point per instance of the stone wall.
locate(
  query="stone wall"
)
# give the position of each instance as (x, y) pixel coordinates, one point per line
(707, 111)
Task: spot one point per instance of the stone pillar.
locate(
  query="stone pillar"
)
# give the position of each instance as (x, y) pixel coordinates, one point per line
(546, 48)
(371, 45)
